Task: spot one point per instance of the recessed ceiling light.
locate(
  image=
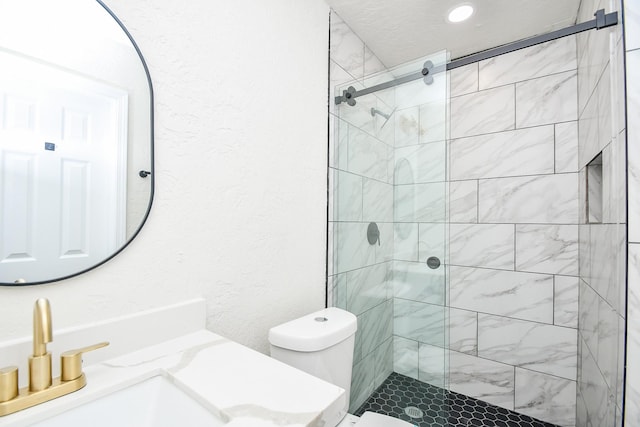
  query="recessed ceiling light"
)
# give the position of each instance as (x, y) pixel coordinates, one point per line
(460, 13)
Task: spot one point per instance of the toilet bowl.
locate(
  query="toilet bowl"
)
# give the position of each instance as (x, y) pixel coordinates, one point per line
(321, 344)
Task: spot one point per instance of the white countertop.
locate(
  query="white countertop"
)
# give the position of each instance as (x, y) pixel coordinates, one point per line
(243, 386)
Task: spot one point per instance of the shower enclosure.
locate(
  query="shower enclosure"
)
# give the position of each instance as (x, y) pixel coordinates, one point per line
(476, 231)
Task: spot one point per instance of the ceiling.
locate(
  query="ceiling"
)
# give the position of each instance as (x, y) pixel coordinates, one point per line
(398, 31)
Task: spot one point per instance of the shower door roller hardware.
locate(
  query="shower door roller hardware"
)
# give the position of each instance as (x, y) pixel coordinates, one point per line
(373, 234)
(426, 72)
(347, 96)
(433, 262)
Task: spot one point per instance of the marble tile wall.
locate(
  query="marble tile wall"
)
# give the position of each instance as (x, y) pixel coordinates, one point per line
(510, 307)
(602, 228)
(361, 191)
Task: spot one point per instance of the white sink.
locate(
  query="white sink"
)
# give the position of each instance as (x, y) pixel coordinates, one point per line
(153, 402)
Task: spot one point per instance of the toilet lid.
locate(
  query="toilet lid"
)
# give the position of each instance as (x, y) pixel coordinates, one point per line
(371, 419)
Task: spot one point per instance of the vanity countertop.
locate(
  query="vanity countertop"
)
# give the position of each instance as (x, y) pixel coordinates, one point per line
(244, 386)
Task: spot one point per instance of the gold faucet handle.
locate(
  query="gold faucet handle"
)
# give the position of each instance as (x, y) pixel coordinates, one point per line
(8, 383)
(71, 361)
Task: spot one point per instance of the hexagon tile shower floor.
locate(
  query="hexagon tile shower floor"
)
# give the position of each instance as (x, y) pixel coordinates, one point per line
(429, 406)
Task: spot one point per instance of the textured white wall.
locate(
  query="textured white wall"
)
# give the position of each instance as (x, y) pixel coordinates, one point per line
(241, 167)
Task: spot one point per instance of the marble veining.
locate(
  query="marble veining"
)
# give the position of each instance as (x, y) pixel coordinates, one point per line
(536, 61)
(547, 248)
(426, 160)
(545, 397)
(566, 147)
(549, 99)
(539, 347)
(405, 356)
(482, 245)
(565, 301)
(464, 80)
(463, 201)
(514, 294)
(463, 331)
(511, 153)
(420, 202)
(348, 203)
(419, 321)
(368, 156)
(346, 47)
(481, 112)
(550, 199)
(483, 379)
(417, 282)
(377, 201)
(375, 326)
(432, 365)
(367, 287)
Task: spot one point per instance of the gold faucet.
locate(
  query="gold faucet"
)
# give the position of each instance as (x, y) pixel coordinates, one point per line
(42, 387)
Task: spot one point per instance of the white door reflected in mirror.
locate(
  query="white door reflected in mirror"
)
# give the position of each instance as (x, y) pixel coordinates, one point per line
(75, 130)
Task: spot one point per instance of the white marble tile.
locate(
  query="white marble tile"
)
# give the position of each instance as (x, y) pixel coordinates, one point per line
(432, 242)
(542, 248)
(346, 48)
(588, 133)
(463, 331)
(433, 121)
(351, 248)
(367, 287)
(464, 80)
(632, 391)
(545, 100)
(407, 127)
(383, 362)
(419, 203)
(506, 293)
(566, 149)
(511, 153)
(482, 245)
(416, 281)
(405, 356)
(427, 161)
(372, 63)
(632, 25)
(482, 112)
(419, 321)
(483, 379)
(581, 411)
(607, 356)
(531, 345)
(565, 301)
(405, 241)
(594, 390)
(536, 61)
(614, 181)
(551, 199)
(633, 144)
(377, 198)
(368, 156)
(375, 326)
(432, 365)
(348, 203)
(545, 397)
(588, 317)
(362, 378)
(338, 284)
(463, 201)
(605, 245)
(605, 108)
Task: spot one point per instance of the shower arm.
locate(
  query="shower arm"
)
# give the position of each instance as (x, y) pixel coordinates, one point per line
(602, 20)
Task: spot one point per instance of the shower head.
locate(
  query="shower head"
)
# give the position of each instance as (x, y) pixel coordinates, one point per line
(375, 111)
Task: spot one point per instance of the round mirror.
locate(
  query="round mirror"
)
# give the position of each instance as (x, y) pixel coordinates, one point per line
(76, 139)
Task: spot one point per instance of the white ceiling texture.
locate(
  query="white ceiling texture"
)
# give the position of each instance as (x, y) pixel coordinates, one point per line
(398, 31)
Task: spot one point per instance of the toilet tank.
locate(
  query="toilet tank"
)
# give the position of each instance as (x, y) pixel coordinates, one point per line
(319, 343)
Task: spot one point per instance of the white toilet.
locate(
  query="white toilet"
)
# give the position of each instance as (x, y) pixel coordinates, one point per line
(321, 344)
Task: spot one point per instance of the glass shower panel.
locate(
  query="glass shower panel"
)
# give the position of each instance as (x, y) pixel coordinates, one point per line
(388, 226)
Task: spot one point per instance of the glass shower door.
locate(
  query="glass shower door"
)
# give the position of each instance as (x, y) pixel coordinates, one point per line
(388, 234)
